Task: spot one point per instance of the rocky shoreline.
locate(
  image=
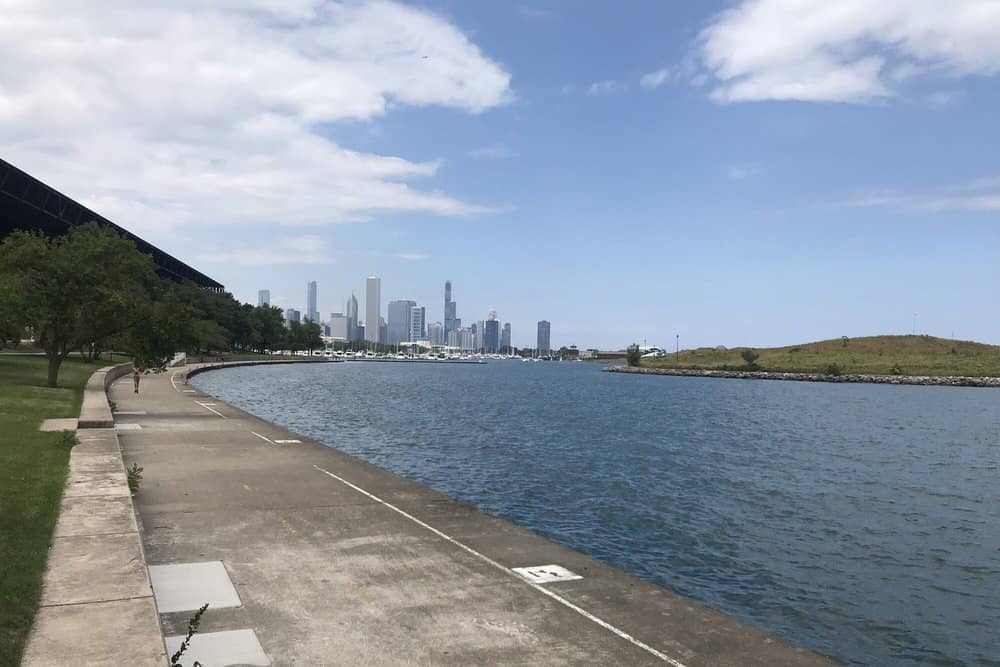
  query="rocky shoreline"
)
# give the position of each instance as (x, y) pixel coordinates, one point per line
(924, 380)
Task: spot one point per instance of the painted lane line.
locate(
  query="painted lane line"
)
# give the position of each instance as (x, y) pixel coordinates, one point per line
(211, 409)
(265, 439)
(173, 381)
(288, 442)
(541, 589)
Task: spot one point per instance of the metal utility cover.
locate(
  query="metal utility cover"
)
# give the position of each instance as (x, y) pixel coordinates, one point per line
(546, 574)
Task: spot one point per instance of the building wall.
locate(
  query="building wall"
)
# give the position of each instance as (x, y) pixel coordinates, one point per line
(399, 321)
(373, 304)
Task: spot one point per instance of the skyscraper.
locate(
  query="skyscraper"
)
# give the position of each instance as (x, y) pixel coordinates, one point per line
(373, 305)
(435, 333)
(491, 332)
(351, 310)
(505, 337)
(544, 330)
(311, 312)
(418, 320)
(450, 310)
(264, 297)
(399, 321)
(292, 315)
(339, 326)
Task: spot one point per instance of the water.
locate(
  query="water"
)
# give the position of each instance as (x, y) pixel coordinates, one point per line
(861, 521)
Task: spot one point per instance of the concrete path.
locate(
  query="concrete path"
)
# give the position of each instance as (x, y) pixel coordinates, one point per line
(313, 557)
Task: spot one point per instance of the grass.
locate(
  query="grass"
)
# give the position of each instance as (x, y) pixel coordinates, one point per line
(33, 467)
(874, 355)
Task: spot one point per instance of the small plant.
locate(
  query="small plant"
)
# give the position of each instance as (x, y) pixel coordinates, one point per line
(751, 358)
(896, 369)
(134, 474)
(68, 439)
(843, 341)
(833, 369)
(193, 623)
(633, 355)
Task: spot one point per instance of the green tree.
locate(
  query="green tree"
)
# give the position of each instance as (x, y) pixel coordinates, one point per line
(751, 357)
(74, 290)
(633, 355)
(269, 324)
(311, 335)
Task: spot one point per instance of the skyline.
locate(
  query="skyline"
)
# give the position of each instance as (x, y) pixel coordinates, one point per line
(720, 171)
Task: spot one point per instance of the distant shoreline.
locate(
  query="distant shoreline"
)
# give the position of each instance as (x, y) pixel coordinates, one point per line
(857, 378)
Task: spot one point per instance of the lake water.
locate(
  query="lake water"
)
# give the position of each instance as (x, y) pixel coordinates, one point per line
(861, 521)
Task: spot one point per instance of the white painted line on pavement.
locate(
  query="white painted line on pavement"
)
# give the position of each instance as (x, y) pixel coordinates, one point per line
(262, 437)
(541, 589)
(288, 442)
(173, 382)
(211, 409)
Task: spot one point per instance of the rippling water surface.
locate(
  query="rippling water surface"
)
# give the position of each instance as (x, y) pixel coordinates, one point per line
(862, 521)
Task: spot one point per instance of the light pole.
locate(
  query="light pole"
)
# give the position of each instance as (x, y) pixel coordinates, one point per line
(677, 348)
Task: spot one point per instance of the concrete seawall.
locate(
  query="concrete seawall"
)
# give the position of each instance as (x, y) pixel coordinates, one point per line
(330, 560)
(922, 380)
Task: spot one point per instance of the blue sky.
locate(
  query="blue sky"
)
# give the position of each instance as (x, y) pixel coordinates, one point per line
(755, 173)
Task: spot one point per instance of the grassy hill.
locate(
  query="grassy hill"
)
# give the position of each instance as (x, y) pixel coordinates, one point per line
(877, 355)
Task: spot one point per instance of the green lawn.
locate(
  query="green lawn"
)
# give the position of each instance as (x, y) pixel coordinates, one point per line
(877, 355)
(33, 469)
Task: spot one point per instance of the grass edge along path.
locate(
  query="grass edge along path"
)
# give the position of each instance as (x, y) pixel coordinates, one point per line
(871, 355)
(33, 469)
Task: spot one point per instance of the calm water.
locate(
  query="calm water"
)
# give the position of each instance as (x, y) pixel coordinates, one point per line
(861, 521)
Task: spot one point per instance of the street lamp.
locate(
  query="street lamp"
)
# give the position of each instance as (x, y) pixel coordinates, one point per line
(677, 348)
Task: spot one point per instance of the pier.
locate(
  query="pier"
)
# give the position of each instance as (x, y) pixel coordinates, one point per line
(307, 555)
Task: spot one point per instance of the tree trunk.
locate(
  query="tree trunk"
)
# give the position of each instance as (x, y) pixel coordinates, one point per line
(55, 361)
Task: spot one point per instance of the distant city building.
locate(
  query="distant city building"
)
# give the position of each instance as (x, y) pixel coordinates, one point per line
(435, 333)
(292, 315)
(383, 329)
(454, 339)
(311, 312)
(264, 297)
(467, 339)
(480, 334)
(340, 327)
(505, 337)
(491, 332)
(544, 332)
(418, 323)
(359, 332)
(373, 306)
(451, 322)
(399, 321)
(351, 311)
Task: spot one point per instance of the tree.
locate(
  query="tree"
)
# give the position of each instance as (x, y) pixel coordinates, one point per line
(74, 290)
(633, 355)
(269, 324)
(311, 335)
(750, 357)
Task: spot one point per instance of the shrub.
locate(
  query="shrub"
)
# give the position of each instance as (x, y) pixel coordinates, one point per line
(633, 355)
(751, 358)
(896, 369)
(833, 369)
(134, 477)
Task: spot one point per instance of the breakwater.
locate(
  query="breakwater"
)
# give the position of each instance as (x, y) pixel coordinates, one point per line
(923, 380)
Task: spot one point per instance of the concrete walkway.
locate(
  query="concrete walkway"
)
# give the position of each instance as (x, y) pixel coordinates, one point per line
(312, 557)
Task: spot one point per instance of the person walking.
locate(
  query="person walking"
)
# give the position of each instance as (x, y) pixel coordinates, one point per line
(136, 372)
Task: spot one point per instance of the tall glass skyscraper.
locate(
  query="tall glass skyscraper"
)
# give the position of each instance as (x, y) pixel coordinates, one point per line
(373, 304)
(264, 297)
(491, 332)
(399, 321)
(505, 337)
(351, 310)
(418, 322)
(450, 311)
(311, 311)
(544, 331)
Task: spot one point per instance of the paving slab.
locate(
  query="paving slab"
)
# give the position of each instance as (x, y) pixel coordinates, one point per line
(218, 649)
(105, 633)
(95, 515)
(94, 568)
(67, 424)
(188, 586)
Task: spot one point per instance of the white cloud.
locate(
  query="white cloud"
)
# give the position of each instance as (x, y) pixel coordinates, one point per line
(411, 256)
(741, 172)
(845, 51)
(494, 152)
(306, 249)
(609, 87)
(981, 195)
(164, 114)
(654, 79)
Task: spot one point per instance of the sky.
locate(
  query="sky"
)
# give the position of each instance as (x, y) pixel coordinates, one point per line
(749, 172)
